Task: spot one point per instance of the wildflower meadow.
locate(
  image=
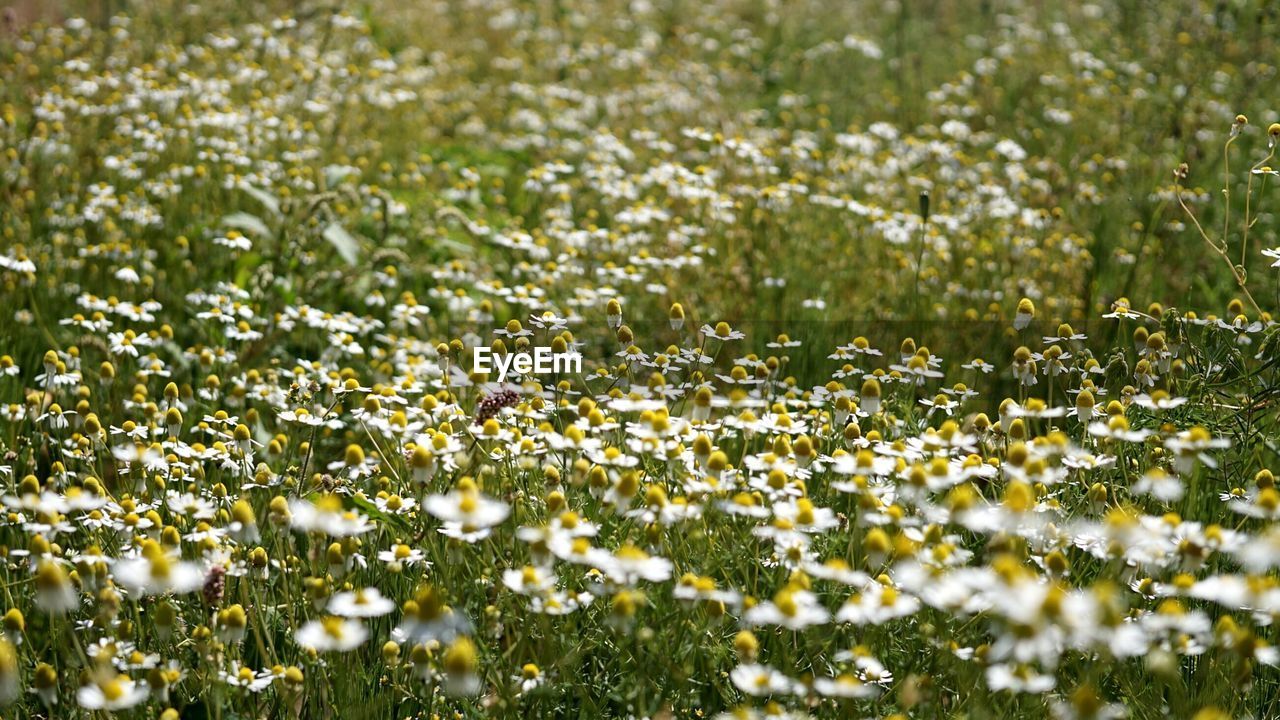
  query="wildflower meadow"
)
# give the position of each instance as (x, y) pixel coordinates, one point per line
(434, 359)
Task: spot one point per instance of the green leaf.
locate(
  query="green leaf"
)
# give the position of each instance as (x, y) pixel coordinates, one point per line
(345, 243)
(267, 199)
(455, 246)
(247, 223)
(335, 175)
(245, 265)
(368, 508)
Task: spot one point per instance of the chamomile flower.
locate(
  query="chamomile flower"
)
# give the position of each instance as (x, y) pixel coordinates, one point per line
(327, 516)
(361, 603)
(111, 693)
(630, 564)
(245, 678)
(721, 332)
(401, 556)
(877, 604)
(467, 510)
(763, 681)
(791, 609)
(529, 679)
(1025, 314)
(156, 572)
(332, 634)
(1161, 485)
(1194, 446)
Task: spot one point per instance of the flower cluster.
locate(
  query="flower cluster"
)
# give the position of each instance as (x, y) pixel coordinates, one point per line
(247, 468)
